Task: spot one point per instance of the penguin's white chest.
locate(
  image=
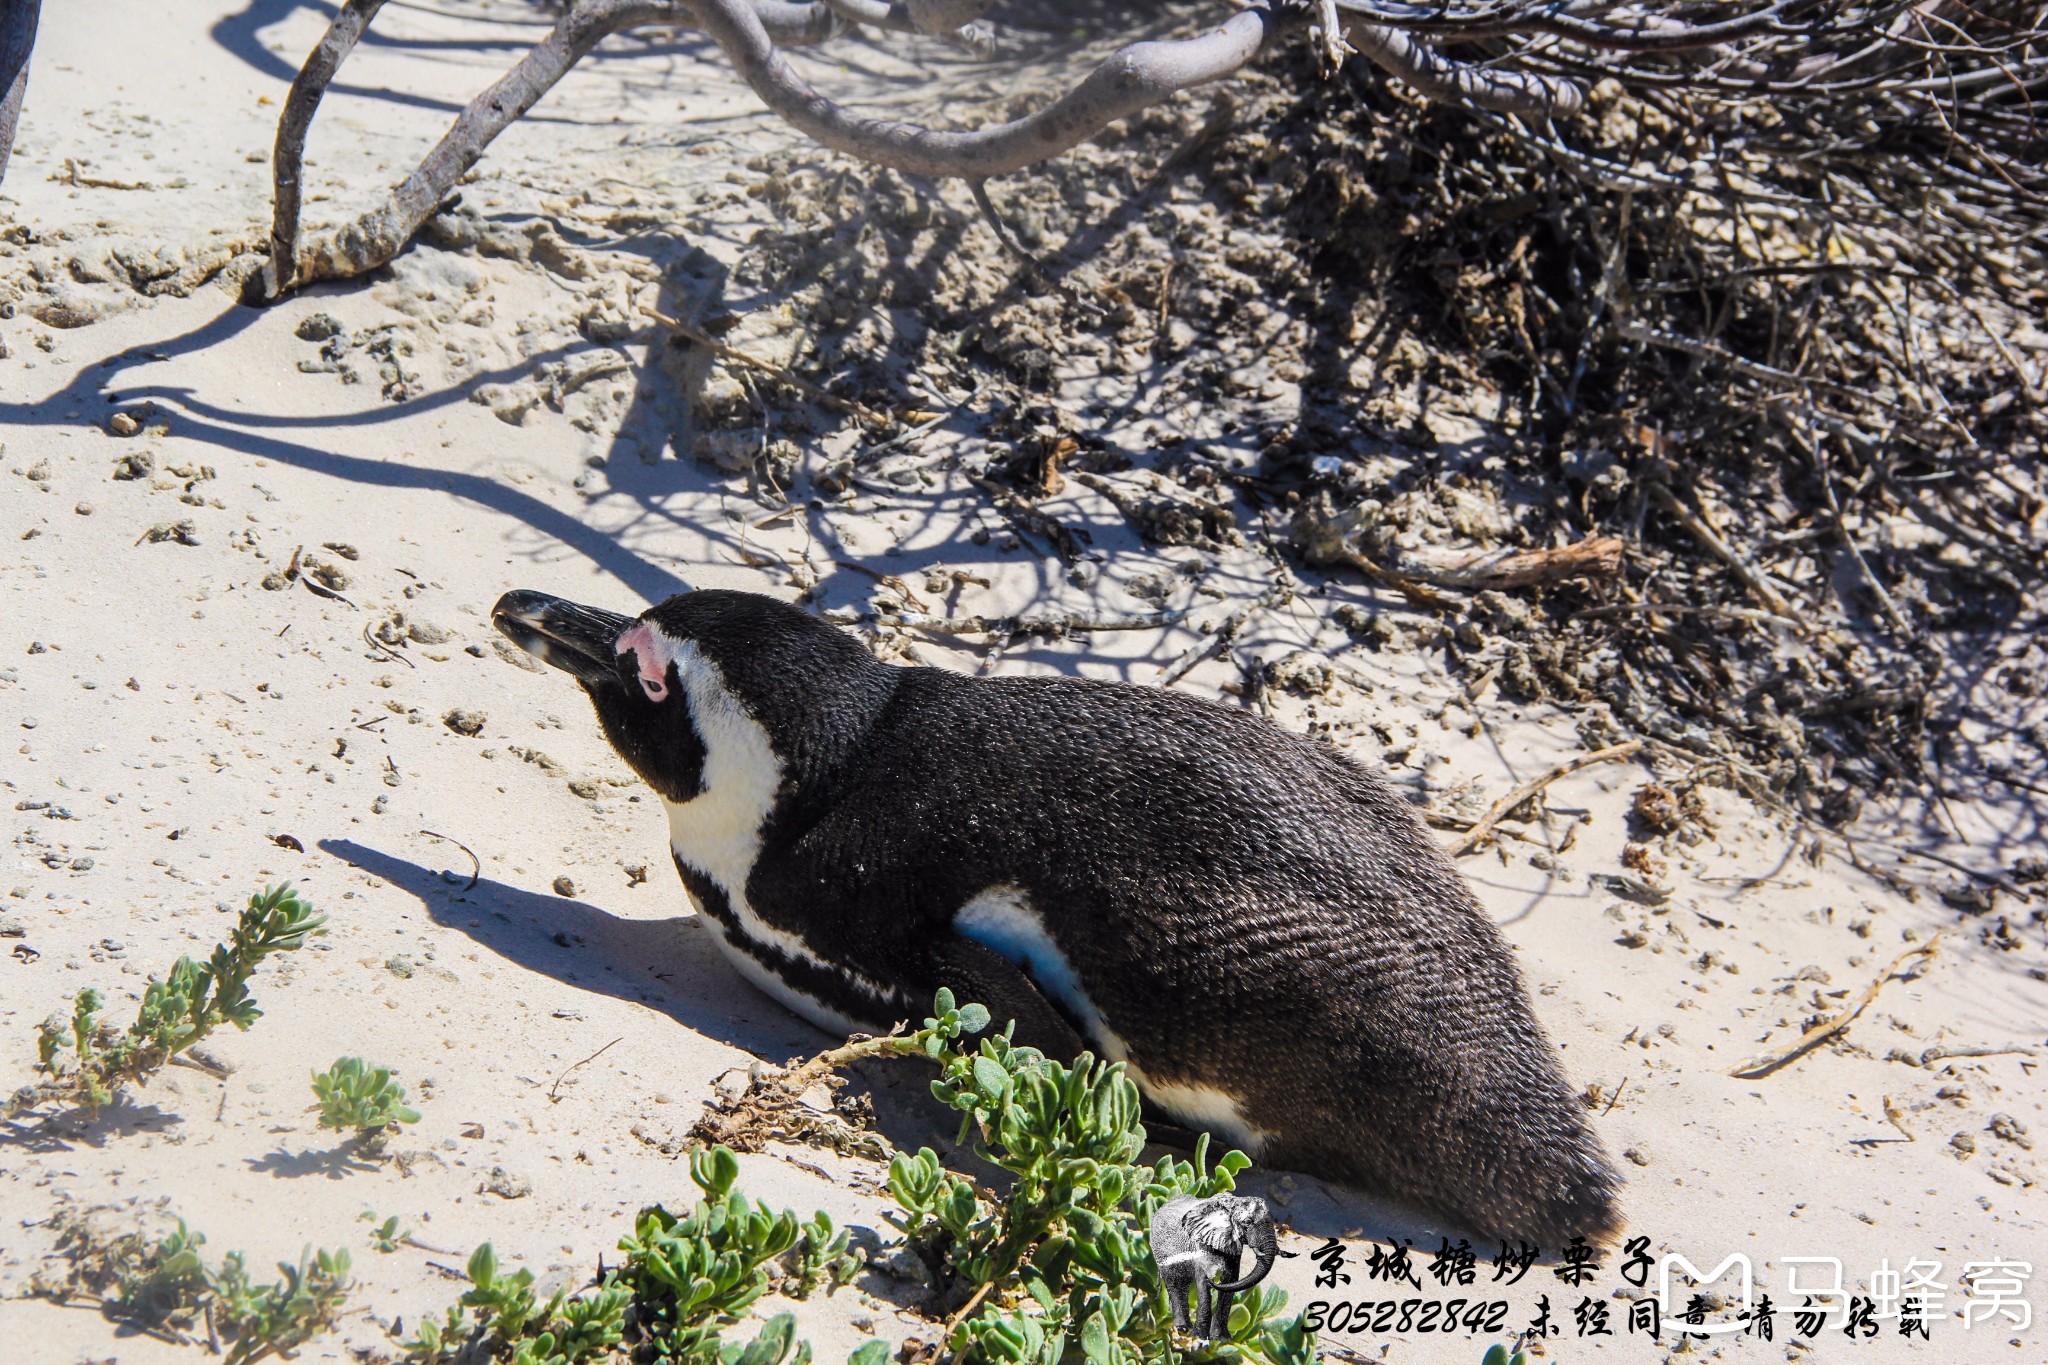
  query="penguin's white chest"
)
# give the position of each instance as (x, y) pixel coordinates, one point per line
(717, 833)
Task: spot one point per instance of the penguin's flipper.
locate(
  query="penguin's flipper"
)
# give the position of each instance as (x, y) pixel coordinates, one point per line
(978, 973)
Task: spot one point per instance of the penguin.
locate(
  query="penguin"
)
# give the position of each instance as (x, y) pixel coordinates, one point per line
(1256, 926)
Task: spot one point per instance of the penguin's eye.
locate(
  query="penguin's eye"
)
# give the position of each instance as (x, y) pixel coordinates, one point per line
(650, 666)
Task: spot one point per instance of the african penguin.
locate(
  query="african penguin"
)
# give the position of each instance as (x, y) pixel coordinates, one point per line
(1257, 926)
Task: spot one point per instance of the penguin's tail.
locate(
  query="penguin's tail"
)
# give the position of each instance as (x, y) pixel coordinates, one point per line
(1524, 1171)
(1534, 1174)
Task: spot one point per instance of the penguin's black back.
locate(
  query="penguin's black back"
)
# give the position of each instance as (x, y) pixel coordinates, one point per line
(1249, 911)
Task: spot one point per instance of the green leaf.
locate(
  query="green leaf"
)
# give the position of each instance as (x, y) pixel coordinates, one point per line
(870, 1353)
(715, 1170)
(990, 1079)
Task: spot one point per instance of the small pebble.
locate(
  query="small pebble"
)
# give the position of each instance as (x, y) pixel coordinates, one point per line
(505, 1185)
(464, 721)
(564, 886)
(121, 424)
(84, 509)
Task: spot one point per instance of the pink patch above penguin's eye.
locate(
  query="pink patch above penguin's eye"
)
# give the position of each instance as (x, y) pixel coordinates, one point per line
(641, 642)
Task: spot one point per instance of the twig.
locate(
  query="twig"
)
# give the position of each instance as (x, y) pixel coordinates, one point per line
(1219, 637)
(1764, 1063)
(1401, 583)
(1896, 1118)
(1751, 578)
(1498, 811)
(1439, 78)
(476, 866)
(1884, 599)
(553, 1098)
(1672, 609)
(1942, 1054)
(778, 373)
(381, 647)
(952, 1323)
(1595, 557)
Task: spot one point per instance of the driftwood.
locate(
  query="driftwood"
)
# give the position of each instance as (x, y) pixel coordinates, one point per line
(17, 40)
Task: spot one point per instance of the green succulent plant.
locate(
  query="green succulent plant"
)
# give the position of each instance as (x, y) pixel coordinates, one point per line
(1060, 1260)
(168, 1283)
(354, 1094)
(685, 1278)
(86, 1063)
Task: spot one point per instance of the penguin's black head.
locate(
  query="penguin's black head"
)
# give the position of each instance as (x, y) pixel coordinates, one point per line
(784, 696)
(627, 666)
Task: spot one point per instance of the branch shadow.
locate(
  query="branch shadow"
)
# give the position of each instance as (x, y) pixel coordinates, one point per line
(240, 34)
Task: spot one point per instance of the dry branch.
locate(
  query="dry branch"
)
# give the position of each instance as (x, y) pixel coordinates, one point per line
(288, 160)
(1794, 51)
(378, 235)
(1597, 557)
(1132, 79)
(1499, 810)
(1436, 77)
(1051, 624)
(1752, 577)
(1219, 637)
(1764, 1063)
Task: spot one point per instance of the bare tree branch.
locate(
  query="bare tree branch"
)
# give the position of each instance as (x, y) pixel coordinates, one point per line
(287, 161)
(1436, 77)
(1960, 80)
(1133, 78)
(376, 236)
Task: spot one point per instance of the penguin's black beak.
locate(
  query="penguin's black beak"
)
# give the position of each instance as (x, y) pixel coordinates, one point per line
(577, 639)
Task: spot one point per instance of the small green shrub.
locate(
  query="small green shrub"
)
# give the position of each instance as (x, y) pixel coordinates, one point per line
(385, 1236)
(85, 1063)
(685, 1278)
(353, 1094)
(168, 1284)
(1060, 1259)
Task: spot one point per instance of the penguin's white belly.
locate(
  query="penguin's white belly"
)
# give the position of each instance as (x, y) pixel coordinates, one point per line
(717, 833)
(1002, 918)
